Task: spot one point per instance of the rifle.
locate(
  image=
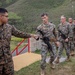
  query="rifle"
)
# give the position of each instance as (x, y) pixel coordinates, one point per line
(46, 41)
(62, 35)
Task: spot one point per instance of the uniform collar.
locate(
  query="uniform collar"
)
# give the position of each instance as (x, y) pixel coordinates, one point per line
(47, 24)
(1, 25)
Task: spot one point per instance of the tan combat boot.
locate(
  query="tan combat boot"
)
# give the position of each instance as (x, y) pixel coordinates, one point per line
(57, 60)
(43, 72)
(68, 59)
(52, 65)
(72, 53)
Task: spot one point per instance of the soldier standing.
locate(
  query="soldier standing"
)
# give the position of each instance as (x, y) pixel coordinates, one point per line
(48, 29)
(74, 31)
(6, 31)
(74, 21)
(63, 31)
(71, 36)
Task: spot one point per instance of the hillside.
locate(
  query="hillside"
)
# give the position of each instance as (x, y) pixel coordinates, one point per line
(6, 3)
(30, 12)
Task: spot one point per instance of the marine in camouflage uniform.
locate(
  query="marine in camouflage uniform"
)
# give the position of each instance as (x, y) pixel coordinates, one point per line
(71, 36)
(6, 31)
(49, 31)
(64, 28)
(74, 31)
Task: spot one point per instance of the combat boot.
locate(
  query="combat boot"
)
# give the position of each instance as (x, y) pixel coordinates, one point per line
(52, 65)
(68, 59)
(72, 53)
(57, 60)
(43, 72)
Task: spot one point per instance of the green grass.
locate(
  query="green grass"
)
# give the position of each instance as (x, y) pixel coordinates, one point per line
(30, 12)
(65, 68)
(37, 51)
(15, 41)
(33, 69)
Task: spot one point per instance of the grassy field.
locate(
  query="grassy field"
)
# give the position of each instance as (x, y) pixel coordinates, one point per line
(30, 12)
(65, 68)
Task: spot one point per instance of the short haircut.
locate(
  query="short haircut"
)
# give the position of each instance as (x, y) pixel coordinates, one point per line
(3, 10)
(70, 18)
(62, 17)
(74, 19)
(44, 14)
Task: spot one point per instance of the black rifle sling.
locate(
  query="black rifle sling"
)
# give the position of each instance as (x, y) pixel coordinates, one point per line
(46, 41)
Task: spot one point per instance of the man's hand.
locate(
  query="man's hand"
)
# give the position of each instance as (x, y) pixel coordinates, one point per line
(66, 40)
(57, 44)
(34, 36)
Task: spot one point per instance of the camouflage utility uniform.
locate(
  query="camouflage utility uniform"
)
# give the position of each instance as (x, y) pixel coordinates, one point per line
(74, 33)
(64, 28)
(50, 32)
(71, 37)
(6, 62)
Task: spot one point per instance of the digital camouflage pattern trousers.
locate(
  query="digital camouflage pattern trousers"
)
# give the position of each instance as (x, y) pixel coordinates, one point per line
(44, 51)
(7, 69)
(63, 45)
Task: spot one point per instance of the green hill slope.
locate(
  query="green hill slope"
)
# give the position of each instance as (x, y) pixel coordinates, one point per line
(5, 3)
(30, 10)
